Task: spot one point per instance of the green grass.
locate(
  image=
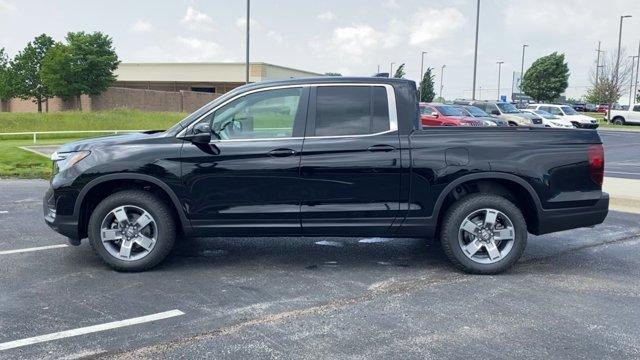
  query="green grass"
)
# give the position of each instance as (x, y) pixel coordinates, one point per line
(18, 163)
(78, 121)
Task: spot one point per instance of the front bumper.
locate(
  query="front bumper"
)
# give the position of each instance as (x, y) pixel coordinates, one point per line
(572, 218)
(587, 125)
(65, 225)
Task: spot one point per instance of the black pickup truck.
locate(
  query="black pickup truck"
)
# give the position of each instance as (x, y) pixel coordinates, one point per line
(325, 157)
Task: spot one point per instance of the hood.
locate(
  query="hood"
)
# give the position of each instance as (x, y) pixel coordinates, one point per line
(581, 119)
(109, 140)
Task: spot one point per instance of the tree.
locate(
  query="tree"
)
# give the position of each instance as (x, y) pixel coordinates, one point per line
(400, 72)
(6, 85)
(427, 92)
(547, 78)
(26, 71)
(607, 88)
(84, 65)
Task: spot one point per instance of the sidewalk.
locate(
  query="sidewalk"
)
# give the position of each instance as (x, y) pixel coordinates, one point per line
(625, 194)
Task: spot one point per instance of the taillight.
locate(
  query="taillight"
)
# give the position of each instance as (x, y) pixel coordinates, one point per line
(596, 163)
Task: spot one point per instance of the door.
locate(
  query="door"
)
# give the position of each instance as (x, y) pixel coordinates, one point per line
(634, 115)
(247, 180)
(350, 163)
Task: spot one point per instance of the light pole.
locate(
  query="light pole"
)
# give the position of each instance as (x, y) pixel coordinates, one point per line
(475, 52)
(441, 76)
(631, 94)
(247, 50)
(524, 46)
(499, 73)
(598, 63)
(421, 76)
(615, 77)
(391, 70)
(635, 93)
(378, 70)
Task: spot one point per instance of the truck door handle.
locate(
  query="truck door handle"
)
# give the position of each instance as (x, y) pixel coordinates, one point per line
(381, 148)
(281, 152)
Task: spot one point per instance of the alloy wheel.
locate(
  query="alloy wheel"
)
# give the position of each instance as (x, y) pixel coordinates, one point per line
(129, 232)
(486, 236)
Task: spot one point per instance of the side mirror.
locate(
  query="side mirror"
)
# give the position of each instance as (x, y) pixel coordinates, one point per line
(495, 112)
(434, 114)
(200, 134)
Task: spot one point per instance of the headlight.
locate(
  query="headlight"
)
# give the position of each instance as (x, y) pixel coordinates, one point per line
(65, 160)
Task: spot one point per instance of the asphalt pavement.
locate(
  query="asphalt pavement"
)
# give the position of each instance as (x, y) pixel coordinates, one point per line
(622, 153)
(575, 294)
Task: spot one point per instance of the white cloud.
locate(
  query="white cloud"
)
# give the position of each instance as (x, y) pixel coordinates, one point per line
(142, 26)
(275, 36)
(199, 50)
(354, 40)
(241, 22)
(429, 24)
(196, 20)
(6, 6)
(327, 16)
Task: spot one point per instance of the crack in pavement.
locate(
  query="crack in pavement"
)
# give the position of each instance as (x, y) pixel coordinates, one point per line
(384, 288)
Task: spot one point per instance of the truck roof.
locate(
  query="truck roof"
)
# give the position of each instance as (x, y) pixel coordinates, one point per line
(328, 80)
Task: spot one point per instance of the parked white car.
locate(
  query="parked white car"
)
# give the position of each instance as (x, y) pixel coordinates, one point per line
(550, 120)
(568, 113)
(621, 117)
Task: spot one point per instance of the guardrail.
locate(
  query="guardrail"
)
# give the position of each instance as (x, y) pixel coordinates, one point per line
(36, 133)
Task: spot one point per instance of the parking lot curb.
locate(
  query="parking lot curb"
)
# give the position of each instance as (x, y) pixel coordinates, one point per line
(624, 194)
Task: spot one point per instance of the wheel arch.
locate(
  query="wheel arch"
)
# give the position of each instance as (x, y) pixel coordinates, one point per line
(103, 186)
(510, 186)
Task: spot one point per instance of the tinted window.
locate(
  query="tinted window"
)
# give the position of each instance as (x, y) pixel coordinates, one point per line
(507, 108)
(476, 112)
(448, 110)
(351, 110)
(569, 110)
(636, 108)
(265, 114)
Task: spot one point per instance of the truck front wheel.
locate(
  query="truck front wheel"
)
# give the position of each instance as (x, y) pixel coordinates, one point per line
(483, 234)
(132, 230)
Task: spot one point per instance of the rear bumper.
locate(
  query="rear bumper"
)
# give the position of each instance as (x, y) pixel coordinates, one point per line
(564, 219)
(586, 126)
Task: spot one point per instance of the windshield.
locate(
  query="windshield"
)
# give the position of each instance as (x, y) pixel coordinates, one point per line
(545, 114)
(448, 110)
(568, 110)
(475, 112)
(507, 108)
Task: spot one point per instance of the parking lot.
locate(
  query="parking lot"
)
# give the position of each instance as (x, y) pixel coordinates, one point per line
(622, 153)
(575, 294)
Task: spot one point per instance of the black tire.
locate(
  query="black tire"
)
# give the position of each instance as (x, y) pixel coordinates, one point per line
(618, 121)
(456, 214)
(166, 229)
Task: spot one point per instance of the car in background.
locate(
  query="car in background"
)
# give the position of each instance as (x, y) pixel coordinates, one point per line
(602, 108)
(550, 120)
(568, 113)
(579, 107)
(507, 112)
(591, 107)
(436, 114)
(621, 117)
(479, 114)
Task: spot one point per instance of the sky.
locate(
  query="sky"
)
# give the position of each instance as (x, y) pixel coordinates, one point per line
(352, 37)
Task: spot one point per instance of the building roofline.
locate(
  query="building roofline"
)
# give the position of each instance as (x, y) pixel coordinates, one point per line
(218, 63)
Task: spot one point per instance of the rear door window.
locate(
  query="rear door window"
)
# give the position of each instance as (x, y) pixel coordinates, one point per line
(351, 110)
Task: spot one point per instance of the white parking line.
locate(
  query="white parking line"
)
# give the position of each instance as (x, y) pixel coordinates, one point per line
(17, 251)
(622, 173)
(89, 329)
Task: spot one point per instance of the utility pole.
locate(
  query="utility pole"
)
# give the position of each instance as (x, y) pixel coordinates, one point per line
(475, 52)
(615, 77)
(441, 76)
(631, 94)
(524, 46)
(391, 70)
(378, 70)
(248, 37)
(421, 76)
(598, 64)
(635, 93)
(499, 73)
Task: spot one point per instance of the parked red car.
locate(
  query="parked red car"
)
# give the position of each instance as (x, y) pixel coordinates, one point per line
(435, 114)
(602, 108)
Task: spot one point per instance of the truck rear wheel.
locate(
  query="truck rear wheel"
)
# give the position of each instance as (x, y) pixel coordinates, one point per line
(483, 234)
(132, 230)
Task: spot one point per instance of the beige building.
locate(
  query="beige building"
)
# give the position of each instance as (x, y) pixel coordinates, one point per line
(201, 77)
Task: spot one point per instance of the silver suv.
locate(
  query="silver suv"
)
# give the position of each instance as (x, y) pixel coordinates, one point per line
(508, 112)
